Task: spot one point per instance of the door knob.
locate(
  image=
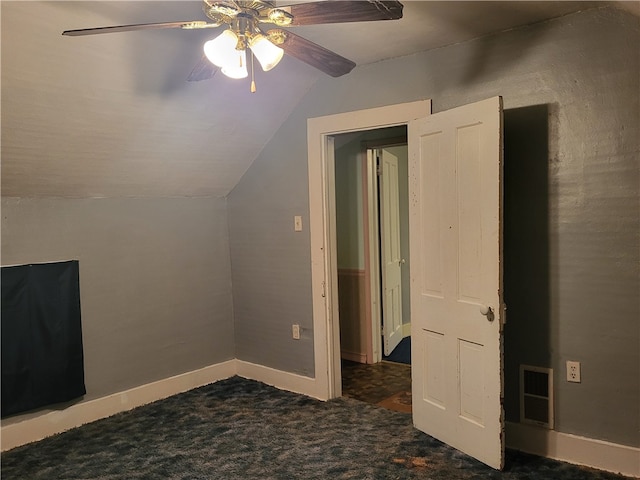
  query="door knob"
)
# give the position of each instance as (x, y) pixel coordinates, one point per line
(487, 312)
(402, 261)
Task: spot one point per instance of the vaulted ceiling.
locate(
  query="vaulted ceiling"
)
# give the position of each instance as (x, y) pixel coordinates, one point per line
(113, 115)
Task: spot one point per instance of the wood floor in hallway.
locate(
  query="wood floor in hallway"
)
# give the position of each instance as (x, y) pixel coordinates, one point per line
(387, 384)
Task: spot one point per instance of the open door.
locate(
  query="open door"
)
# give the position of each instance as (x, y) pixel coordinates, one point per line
(455, 212)
(391, 257)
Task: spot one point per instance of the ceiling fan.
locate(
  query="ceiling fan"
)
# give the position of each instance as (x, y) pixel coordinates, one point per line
(248, 28)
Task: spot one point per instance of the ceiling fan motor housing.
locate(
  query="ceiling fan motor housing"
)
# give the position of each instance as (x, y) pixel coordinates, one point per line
(261, 11)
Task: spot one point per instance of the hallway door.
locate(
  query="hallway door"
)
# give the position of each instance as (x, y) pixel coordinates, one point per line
(391, 257)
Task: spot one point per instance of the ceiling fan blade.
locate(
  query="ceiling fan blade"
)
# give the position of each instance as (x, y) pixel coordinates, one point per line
(203, 70)
(311, 53)
(342, 11)
(193, 25)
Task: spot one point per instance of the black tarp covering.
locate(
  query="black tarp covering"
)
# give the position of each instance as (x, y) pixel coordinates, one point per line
(42, 358)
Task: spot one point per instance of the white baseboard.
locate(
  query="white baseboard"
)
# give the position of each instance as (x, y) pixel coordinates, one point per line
(57, 421)
(354, 356)
(608, 456)
(282, 380)
(406, 330)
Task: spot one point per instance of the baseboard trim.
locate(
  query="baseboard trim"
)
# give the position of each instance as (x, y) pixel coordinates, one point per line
(354, 356)
(575, 449)
(406, 330)
(57, 421)
(281, 379)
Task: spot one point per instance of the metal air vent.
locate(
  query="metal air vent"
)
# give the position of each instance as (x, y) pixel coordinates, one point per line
(536, 396)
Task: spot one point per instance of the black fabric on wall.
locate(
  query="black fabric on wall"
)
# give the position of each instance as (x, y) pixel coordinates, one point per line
(42, 356)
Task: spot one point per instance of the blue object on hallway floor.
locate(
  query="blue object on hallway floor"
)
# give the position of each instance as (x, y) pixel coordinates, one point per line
(402, 353)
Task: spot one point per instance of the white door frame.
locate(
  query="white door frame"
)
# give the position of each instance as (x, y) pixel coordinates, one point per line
(322, 227)
(372, 255)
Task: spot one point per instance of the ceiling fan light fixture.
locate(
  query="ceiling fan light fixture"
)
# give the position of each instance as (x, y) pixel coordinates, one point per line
(243, 19)
(268, 54)
(221, 51)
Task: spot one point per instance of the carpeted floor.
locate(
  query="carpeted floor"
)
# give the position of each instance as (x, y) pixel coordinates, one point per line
(242, 429)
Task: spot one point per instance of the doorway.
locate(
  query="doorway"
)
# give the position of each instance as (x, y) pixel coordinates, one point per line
(321, 161)
(372, 229)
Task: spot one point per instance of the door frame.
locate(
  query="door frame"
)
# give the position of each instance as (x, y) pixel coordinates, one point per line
(322, 228)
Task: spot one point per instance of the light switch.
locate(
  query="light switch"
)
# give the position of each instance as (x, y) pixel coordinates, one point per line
(297, 223)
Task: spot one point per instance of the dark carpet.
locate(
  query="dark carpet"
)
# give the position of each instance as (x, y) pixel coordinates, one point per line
(402, 352)
(240, 429)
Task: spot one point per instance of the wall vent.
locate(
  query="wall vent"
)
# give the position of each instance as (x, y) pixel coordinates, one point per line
(536, 396)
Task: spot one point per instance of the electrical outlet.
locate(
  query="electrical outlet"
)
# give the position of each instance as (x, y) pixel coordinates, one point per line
(295, 331)
(573, 371)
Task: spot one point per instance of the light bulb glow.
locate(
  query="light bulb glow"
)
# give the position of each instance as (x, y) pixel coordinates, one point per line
(221, 51)
(266, 52)
(237, 65)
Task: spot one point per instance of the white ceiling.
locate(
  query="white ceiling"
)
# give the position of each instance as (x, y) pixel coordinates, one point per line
(112, 115)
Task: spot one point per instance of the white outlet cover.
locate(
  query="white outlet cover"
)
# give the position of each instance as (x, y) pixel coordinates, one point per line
(573, 371)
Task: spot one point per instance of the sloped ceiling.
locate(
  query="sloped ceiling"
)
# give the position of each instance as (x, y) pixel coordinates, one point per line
(112, 115)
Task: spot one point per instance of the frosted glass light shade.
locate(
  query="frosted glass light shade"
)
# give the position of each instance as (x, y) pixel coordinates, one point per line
(266, 52)
(237, 65)
(221, 51)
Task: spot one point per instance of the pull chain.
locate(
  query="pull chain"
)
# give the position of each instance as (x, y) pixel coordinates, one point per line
(253, 82)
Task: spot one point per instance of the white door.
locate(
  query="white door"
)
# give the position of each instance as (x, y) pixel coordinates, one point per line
(455, 212)
(390, 251)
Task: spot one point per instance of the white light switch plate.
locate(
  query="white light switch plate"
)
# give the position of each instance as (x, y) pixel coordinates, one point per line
(297, 223)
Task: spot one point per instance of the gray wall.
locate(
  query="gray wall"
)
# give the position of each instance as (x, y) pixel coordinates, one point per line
(154, 280)
(270, 262)
(584, 69)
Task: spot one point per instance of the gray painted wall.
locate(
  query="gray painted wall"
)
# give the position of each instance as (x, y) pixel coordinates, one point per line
(584, 68)
(270, 262)
(154, 280)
